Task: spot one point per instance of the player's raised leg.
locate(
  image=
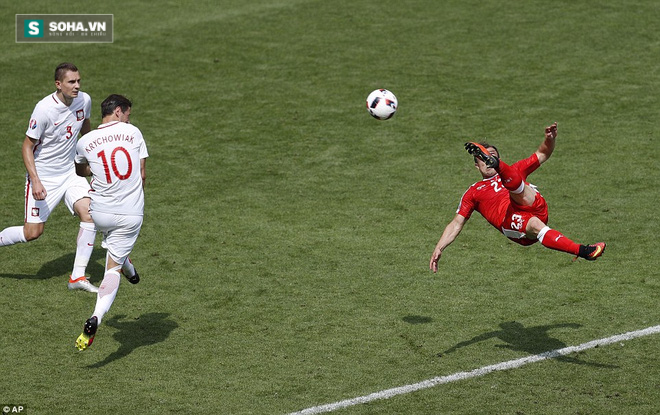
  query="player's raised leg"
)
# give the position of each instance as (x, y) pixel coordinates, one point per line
(482, 153)
(511, 178)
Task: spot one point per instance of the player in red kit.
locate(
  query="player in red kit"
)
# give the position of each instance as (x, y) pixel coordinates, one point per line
(510, 204)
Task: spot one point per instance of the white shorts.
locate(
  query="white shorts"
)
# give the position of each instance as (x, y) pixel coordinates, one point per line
(120, 232)
(69, 187)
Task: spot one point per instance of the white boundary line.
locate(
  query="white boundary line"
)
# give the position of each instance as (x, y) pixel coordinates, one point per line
(511, 364)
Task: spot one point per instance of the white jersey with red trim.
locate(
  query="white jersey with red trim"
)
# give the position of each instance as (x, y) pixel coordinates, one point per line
(114, 151)
(56, 127)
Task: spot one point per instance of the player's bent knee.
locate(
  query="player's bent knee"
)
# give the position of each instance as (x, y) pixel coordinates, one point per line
(534, 226)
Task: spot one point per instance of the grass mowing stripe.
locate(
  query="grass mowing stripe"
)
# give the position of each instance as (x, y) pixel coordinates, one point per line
(511, 364)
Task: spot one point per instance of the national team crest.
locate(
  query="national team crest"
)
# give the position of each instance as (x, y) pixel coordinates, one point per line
(35, 211)
(80, 115)
(33, 124)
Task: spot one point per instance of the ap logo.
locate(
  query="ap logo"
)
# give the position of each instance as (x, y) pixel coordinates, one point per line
(34, 28)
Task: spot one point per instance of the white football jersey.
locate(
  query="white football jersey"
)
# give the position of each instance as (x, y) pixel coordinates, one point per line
(114, 151)
(56, 127)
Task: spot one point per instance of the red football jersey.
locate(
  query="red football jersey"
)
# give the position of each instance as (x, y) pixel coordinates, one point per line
(490, 198)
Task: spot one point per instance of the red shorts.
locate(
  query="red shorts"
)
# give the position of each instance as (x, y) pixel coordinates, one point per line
(515, 221)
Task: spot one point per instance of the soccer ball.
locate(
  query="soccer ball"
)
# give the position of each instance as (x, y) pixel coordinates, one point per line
(382, 104)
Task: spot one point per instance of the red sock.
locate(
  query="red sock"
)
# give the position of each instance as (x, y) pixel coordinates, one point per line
(511, 178)
(555, 240)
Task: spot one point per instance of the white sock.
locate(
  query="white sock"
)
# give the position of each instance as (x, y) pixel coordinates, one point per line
(107, 293)
(84, 248)
(12, 235)
(520, 189)
(542, 233)
(128, 269)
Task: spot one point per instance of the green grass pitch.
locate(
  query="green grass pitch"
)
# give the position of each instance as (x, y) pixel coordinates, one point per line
(284, 254)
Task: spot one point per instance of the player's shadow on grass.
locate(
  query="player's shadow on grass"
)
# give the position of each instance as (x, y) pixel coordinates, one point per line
(533, 340)
(148, 329)
(64, 264)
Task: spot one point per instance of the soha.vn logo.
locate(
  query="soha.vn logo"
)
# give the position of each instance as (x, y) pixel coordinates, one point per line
(33, 28)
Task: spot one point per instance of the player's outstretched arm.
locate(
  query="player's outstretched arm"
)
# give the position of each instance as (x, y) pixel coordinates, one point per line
(548, 145)
(448, 236)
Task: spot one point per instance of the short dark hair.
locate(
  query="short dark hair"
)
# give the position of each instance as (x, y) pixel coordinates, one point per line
(113, 101)
(486, 145)
(63, 68)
